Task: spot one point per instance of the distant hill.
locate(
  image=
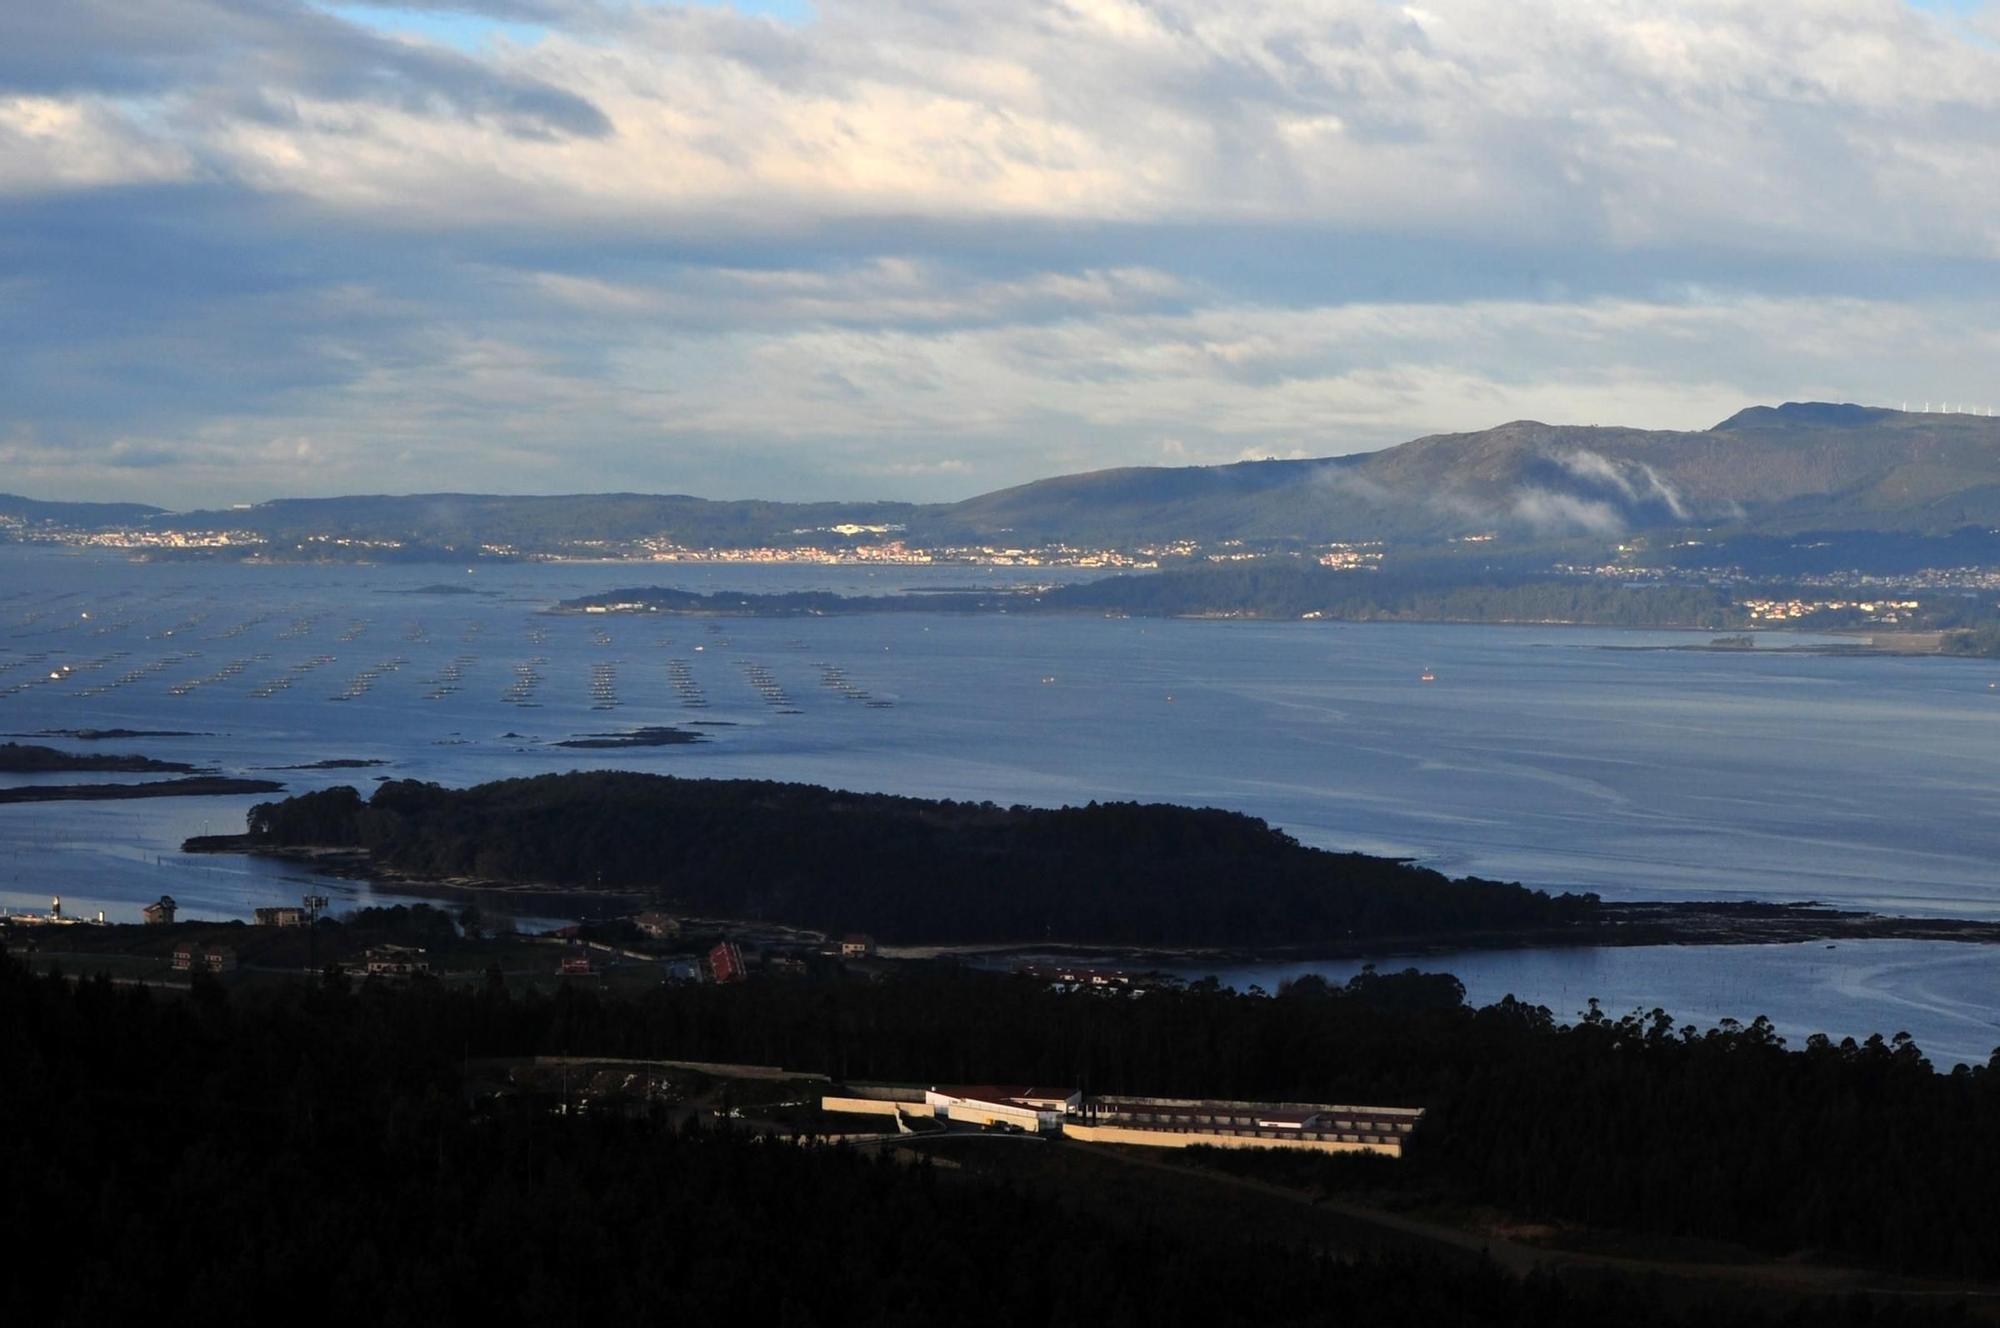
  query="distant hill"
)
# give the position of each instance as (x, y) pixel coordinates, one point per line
(1773, 474)
(1796, 467)
(75, 516)
(1251, 499)
(467, 520)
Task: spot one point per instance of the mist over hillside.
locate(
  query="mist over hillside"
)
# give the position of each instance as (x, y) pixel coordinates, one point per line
(1793, 467)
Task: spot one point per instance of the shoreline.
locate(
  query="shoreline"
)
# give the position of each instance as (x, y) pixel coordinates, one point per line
(1639, 923)
(1864, 642)
(1620, 924)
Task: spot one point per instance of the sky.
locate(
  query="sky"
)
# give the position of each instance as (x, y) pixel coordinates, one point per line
(928, 248)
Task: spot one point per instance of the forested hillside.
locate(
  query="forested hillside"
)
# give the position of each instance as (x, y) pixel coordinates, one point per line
(175, 1154)
(228, 1160)
(1860, 1152)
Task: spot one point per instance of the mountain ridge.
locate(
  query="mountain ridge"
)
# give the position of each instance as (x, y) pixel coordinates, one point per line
(1765, 470)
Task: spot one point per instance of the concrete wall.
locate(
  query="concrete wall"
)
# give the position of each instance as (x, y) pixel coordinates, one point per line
(909, 1093)
(862, 1106)
(1123, 1134)
(995, 1114)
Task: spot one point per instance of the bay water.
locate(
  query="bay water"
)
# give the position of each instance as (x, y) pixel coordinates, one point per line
(1616, 761)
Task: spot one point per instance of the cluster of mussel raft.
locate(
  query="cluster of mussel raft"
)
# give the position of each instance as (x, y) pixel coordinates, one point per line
(527, 681)
(181, 628)
(604, 686)
(266, 691)
(42, 674)
(228, 672)
(834, 678)
(364, 681)
(450, 679)
(130, 676)
(682, 679)
(769, 688)
(238, 629)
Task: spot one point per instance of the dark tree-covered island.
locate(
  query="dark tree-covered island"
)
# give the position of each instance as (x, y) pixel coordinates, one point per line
(908, 870)
(32, 759)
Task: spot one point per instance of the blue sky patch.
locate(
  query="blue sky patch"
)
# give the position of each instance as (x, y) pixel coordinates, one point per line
(472, 32)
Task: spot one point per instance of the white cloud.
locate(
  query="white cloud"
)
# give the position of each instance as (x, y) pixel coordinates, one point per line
(951, 244)
(50, 144)
(1842, 125)
(884, 290)
(944, 412)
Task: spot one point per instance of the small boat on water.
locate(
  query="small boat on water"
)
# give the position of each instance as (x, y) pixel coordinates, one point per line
(1428, 676)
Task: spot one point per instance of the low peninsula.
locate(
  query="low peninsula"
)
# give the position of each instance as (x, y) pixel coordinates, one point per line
(20, 758)
(105, 735)
(1291, 589)
(211, 786)
(1276, 589)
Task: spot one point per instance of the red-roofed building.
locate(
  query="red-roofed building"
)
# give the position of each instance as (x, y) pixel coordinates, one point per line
(725, 963)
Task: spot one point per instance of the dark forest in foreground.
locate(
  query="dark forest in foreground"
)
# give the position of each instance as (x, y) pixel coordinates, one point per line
(163, 1158)
(906, 869)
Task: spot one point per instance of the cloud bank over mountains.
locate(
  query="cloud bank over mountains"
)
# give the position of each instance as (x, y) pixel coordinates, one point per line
(921, 249)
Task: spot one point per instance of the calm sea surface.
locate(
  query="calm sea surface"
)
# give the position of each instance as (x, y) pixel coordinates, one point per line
(1562, 757)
